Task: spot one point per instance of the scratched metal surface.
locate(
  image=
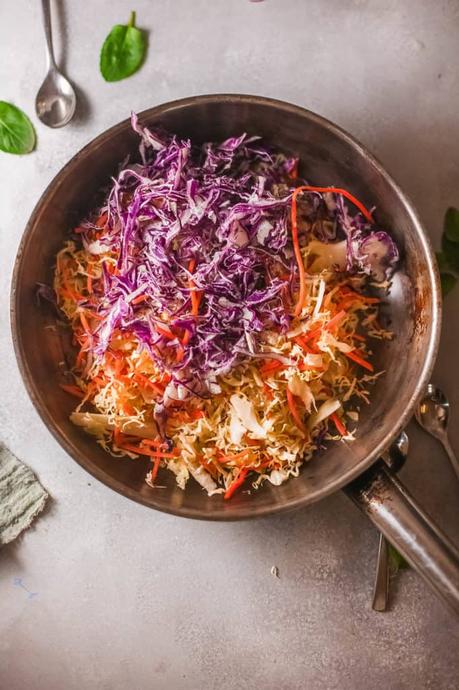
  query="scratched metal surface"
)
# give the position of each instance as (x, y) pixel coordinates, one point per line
(103, 593)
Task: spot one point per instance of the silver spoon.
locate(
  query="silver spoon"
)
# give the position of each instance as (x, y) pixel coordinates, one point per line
(56, 100)
(432, 414)
(395, 459)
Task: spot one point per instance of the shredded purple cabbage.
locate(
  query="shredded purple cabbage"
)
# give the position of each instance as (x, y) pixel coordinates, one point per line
(226, 208)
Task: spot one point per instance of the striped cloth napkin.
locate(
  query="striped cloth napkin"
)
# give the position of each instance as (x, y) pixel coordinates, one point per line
(22, 496)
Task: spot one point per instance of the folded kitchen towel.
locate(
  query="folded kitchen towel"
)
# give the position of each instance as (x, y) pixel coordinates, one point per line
(22, 496)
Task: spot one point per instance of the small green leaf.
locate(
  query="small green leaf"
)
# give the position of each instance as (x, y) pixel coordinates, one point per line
(451, 224)
(17, 134)
(448, 281)
(451, 252)
(123, 51)
(441, 261)
(396, 560)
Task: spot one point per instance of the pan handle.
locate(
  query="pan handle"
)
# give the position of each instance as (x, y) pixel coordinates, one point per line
(387, 503)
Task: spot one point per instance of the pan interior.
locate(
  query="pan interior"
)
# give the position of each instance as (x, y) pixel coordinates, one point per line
(328, 157)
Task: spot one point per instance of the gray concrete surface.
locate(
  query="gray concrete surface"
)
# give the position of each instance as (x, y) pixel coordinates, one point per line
(128, 598)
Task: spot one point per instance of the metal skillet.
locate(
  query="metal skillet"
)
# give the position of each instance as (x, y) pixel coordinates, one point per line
(329, 156)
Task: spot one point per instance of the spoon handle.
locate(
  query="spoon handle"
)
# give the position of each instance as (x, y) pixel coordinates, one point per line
(48, 34)
(451, 454)
(381, 590)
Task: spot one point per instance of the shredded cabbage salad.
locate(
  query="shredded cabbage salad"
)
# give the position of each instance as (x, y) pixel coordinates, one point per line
(223, 312)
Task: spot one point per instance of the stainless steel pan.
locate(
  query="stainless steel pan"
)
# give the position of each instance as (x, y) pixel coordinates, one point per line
(329, 156)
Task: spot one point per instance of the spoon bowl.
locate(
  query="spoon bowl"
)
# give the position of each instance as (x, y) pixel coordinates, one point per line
(56, 100)
(432, 412)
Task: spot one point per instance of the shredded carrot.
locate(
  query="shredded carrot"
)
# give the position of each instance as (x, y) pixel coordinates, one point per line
(356, 336)
(157, 443)
(294, 410)
(271, 367)
(73, 390)
(359, 360)
(139, 299)
(84, 323)
(268, 391)
(127, 408)
(311, 335)
(151, 453)
(80, 357)
(234, 456)
(196, 414)
(118, 436)
(240, 479)
(335, 321)
(338, 190)
(165, 331)
(102, 220)
(155, 469)
(252, 442)
(304, 345)
(147, 383)
(293, 174)
(339, 424)
(89, 283)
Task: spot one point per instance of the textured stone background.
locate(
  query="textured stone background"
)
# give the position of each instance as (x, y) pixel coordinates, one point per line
(128, 598)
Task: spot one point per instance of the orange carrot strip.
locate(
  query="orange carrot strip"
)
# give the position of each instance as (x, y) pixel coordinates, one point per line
(338, 190)
(127, 408)
(102, 220)
(150, 453)
(335, 321)
(313, 334)
(268, 391)
(294, 411)
(236, 483)
(153, 442)
(73, 390)
(356, 336)
(155, 469)
(339, 424)
(80, 357)
(145, 381)
(196, 414)
(118, 436)
(84, 323)
(234, 456)
(359, 360)
(271, 366)
(89, 283)
(139, 299)
(301, 342)
(165, 331)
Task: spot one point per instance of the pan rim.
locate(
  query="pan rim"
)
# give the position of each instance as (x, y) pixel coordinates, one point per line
(219, 514)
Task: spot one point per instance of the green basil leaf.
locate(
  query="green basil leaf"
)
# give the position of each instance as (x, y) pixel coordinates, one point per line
(451, 224)
(451, 252)
(396, 560)
(442, 261)
(17, 134)
(448, 281)
(123, 51)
